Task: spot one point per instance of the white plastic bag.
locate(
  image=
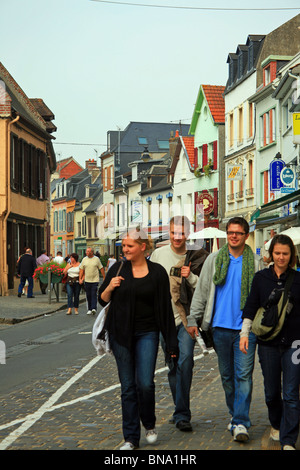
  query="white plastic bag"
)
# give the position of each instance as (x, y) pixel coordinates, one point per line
(101, 345)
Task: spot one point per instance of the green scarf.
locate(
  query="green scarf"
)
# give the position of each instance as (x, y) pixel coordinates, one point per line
(248, 270)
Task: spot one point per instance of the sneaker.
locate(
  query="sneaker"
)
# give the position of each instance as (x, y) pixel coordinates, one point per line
(89, 312)
(240, 433)
(94, 311)
(274, 434)
(288, 447)
(151, 436)
(229, 427)
(184, 426)
(127, 446)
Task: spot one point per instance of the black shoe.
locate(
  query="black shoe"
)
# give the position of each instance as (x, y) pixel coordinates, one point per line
(184, 426)
(32, 297)
(19, 295)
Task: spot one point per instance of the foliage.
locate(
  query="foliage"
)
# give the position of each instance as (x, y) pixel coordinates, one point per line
(55, 268)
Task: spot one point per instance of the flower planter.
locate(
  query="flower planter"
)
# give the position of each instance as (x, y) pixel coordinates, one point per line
(43, 278)
(55, 279)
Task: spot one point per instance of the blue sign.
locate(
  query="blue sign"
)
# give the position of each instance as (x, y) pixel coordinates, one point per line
(287, 176)
(275, 169)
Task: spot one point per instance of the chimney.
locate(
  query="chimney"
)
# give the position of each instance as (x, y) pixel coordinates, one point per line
(91, 164)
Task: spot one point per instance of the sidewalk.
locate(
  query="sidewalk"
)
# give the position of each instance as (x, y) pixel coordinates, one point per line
(14, 309)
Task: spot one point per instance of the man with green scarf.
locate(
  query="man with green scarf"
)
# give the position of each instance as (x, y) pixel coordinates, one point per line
(218, 301)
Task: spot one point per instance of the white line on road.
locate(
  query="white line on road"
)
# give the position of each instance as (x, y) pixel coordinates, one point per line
(49, 405)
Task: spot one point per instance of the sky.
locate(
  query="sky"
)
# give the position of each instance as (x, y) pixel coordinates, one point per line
(101, 65)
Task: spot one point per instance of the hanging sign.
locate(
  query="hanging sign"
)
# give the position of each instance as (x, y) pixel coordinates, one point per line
(276, 167)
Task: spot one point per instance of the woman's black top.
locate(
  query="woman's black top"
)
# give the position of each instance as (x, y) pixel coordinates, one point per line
(263, 283)
(127, 302)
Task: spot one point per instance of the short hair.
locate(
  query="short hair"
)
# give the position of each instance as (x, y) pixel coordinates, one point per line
(59, 253)
(238, 221)
(283, 240)
(182, 220)
(74, 255)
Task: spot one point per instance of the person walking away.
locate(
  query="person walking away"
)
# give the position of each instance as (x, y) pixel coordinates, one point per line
(111, 260)
(140, 308)
(181, 372)
(26, 268)
(89, 274)
(58, 258)
(278, 357)
(218, 301)
(42, 259)
(72, 284)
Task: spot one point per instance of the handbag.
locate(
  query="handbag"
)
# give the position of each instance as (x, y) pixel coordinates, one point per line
(270, 318)
(100, 338)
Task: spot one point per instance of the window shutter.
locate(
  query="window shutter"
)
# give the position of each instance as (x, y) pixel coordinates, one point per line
(195, 157)
(215, 155)
(204, 155)
(216, 202)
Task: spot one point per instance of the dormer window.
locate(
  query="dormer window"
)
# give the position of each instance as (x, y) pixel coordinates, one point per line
(269, 66)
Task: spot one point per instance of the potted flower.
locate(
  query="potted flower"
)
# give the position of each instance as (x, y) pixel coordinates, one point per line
(57, 272)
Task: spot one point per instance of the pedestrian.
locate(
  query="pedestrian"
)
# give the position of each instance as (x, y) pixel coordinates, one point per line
(175, 258)
(140, 308)
(218, 301)
(26, 268)
(89, 274)
(42, 259)
(279, 363)
(58, 258)
(111, 260)
(72, 283)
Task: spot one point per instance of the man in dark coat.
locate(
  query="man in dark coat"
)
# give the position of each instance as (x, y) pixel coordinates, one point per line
(26, 267)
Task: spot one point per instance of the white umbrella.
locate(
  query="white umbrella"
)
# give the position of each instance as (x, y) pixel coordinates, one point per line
(293, 233)
(215, 246)
(208, 232)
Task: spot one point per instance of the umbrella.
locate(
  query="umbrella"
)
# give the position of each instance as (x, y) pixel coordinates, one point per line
(293, 233)
(208, 232)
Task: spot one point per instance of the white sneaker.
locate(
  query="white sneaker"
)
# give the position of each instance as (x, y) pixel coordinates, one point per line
(94, 311)
(288, 447)
(240, 433)
(127, 446)
(151, 436)
(274, 434)
(89, 312)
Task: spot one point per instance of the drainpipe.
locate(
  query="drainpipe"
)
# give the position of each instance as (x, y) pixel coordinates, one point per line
(4, 286)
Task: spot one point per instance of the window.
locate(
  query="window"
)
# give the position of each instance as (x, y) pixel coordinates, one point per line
(231, 130)
(78, 229)
(267, 128)
(250, 120)
(163, 144)
(240, 124)
(142, 140)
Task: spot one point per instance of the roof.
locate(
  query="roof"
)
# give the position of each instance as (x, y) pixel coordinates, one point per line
(189, 150)
(213, 95)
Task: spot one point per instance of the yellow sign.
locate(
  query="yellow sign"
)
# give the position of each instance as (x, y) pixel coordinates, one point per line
(234, 172)
(296, 128)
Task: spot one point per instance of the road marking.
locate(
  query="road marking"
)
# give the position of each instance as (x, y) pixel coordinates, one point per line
(49, 405)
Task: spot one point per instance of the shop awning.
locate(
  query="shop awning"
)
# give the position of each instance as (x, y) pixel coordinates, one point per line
(273, 205)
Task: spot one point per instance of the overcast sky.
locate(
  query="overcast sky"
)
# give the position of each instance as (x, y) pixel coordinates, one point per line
(100, 65)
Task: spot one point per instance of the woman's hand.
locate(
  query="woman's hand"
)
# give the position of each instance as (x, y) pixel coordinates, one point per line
(115, 282)
(244, 342)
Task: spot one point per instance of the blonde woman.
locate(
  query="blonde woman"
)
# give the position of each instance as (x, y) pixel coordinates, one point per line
(140, 307)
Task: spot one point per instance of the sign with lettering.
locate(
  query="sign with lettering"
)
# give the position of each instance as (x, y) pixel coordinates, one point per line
(275, 169)
(234, 172)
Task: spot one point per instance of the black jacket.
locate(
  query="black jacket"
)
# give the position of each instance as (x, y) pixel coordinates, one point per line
(26, 265)
(120, 317)
(263, 283)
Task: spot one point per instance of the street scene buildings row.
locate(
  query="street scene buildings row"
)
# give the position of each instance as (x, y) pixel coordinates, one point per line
(238, 156)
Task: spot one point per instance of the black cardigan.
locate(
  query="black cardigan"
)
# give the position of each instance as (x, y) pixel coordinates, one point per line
(120, 317)
(263, 283)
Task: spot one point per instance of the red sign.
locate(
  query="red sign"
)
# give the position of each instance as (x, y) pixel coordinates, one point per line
(208, 202)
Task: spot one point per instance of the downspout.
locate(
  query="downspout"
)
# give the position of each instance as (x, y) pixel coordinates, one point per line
(4, 287)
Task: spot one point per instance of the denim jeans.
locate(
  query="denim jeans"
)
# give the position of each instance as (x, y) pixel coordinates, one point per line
(236, 369)
(91, 294)
(73, 292)
(180, 374)
(30, 285)
(136, 373)
(281, 382)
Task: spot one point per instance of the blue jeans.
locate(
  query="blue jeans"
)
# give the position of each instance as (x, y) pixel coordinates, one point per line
(136, 373)
(30, 285)
(281, 374)
(236, 369)
(73, 292)
(91, 294)
(180, 374)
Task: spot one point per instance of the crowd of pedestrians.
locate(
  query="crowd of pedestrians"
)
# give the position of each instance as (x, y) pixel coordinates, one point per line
(181, 294)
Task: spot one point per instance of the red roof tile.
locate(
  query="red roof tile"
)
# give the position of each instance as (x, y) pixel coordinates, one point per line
(215, 100)
(189, 146)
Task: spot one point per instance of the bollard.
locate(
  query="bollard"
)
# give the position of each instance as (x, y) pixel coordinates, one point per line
(49, 286)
